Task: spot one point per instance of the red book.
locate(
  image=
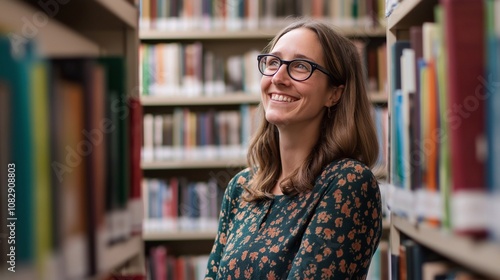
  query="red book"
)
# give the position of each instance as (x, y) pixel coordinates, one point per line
(135, 144)
(465, 42)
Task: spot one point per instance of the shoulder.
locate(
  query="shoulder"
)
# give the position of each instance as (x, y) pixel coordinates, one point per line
(349, 172)
(236, 184)
(345, 166)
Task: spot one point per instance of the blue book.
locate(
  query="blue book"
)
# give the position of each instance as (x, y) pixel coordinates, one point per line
(396, 52)
(15, 74)
(493, 113)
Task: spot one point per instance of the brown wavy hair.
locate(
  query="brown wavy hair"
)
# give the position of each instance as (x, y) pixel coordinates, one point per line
(347, 132)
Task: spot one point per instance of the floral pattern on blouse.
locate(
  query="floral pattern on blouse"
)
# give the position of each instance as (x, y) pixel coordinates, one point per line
(330, 232)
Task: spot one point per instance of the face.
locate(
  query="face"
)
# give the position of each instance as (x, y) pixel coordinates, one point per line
(288, 102)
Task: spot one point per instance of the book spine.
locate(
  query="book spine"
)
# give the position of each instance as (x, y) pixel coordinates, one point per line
(464, 29)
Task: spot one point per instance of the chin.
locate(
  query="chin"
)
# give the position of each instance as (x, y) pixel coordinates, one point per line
(277, 121)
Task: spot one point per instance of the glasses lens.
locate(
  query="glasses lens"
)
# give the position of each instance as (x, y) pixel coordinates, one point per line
(269, 65)
(299, 69)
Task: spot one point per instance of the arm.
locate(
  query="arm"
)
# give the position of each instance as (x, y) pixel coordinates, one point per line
(344, 230)
(220, 239)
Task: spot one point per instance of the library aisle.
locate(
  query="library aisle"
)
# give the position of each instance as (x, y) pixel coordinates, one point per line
(123, 131)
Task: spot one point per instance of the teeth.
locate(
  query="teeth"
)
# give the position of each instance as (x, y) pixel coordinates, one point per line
(279, 97)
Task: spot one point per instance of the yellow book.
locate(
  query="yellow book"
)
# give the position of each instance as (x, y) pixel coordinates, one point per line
(41, 159)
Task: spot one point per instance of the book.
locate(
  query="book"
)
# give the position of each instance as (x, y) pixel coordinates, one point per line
(39, 90)
(70, 160)
(416, 46)
(492, 9)
(396, 52)
(135, 136)
(15, 75)
(396, 130)
(429, 126)
(95, 133)
(444, 142)
(118, 162)
(465, 41)
(5, 120)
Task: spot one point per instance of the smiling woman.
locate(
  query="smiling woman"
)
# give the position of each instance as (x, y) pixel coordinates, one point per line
(308, 206)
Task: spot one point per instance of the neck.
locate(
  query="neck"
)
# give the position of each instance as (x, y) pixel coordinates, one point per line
(295, 147)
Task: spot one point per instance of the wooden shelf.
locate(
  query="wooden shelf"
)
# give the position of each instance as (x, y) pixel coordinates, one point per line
(106, 14)
(54, 39)
(194, 164)
(119, 254)
(227, 99)
(260, 34)
(123, 10)
(480, 256)
(179, 235)
(411, 12)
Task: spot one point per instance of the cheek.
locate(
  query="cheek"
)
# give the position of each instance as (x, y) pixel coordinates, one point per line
(265, 82)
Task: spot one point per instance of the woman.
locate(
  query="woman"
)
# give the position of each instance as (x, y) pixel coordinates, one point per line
(308, 207)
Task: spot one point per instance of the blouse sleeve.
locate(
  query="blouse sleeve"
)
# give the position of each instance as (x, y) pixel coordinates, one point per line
(220, 239)
(344, 230)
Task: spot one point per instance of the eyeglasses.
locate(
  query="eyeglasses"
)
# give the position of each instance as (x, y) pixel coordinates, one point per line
(298, 69)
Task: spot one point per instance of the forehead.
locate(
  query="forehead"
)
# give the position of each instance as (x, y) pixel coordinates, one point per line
(300, 42)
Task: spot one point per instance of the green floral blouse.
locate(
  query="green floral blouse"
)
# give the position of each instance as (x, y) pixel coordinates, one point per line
(328, 233)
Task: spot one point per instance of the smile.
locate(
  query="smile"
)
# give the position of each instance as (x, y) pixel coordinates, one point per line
(282, 98)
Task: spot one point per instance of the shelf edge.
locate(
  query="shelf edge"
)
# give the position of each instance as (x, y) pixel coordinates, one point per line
(120, 253)
(480, 256)
(227, 99)
(123, 10)
(179, 235)
(248, 34)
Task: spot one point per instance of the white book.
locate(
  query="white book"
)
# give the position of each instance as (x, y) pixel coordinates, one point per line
(147, 148)
(408, 87)
(158, 138)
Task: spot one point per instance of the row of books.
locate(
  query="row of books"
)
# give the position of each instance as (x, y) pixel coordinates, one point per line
(254, 14)
(374, 60)
(164, 266)
(177, 204)
(70, 150)
(175, 69)
(444, 123)
(187, 69)
(186, 134)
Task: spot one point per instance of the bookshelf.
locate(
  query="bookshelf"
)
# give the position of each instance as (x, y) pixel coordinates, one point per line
(433, 229)
(61, 33)
(477, 256)
(219, 37)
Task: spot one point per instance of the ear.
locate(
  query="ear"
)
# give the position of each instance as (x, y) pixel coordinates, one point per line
(334, 95)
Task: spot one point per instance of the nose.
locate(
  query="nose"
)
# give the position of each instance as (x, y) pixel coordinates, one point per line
(281, 76)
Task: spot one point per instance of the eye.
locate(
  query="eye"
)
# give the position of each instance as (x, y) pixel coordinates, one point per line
(301, 66)
(272, 62)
